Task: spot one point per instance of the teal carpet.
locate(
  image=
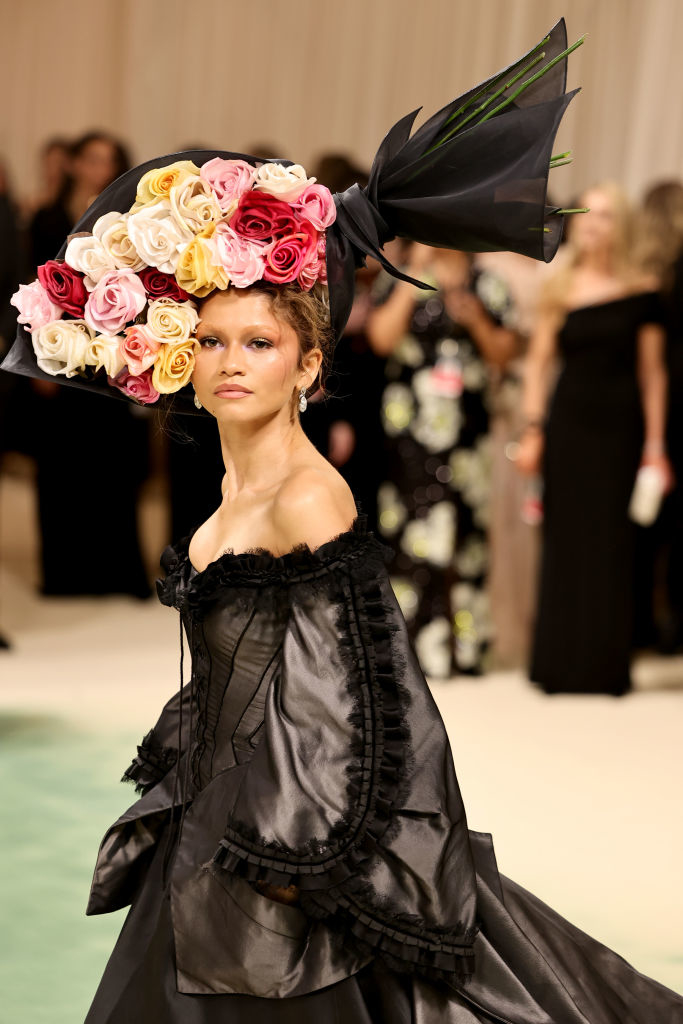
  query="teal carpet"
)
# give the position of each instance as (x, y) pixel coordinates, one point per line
(60, 792)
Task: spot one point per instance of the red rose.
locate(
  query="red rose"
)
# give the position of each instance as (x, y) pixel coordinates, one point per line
(286, 257)
(162, 286)
(262, 218)
(64, 285)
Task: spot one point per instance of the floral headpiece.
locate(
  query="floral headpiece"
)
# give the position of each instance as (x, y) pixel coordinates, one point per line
(116, 307)
(121, 299)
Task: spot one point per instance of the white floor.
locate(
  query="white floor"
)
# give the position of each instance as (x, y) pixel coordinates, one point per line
(582, 794)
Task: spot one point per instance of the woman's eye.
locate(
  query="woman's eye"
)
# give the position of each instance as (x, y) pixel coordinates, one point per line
(260, 343)
(208, 341)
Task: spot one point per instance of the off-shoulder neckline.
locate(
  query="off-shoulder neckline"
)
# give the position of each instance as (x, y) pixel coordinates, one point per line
(612, 302)
(257, 560)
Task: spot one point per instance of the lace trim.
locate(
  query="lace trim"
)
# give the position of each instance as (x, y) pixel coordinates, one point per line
(151, 764)
(330, 874)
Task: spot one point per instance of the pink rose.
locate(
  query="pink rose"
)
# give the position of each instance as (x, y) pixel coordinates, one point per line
(322, 255)
(286, 257)
(116, 299)
(139, 388)
(317, 205)
(36, 308)
(138, 348)
(64, 286)
(242, 260)
(228, 179)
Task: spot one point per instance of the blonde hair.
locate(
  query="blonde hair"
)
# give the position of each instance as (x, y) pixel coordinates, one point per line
(660, 229)
(624, 264)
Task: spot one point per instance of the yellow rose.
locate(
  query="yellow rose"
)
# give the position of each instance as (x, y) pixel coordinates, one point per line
(194, 206)
(158, 182)
(173, 366)
(195, 271)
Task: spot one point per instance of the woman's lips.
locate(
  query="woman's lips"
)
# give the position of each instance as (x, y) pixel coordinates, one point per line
(231, 391)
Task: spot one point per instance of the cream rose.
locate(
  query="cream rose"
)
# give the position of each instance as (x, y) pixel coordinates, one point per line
(61, 347)
(87, 255)
(173, 366)
(287, 183)
(112, 231)
(157, 236)
(194, 206)
(196, 272)
(103, 353)
(157, 183)
(172, 322)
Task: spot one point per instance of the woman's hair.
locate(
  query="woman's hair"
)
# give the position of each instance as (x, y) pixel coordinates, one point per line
(308, 313)
(623, 261)
(660, 229)
(76, 148)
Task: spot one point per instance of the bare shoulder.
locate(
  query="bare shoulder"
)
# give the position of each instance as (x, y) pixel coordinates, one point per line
(312, 506)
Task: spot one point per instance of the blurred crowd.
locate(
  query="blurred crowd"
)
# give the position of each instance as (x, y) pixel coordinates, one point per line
(494, 430)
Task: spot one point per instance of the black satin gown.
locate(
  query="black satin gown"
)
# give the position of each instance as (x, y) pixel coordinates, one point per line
(584, 631)
(306, 749)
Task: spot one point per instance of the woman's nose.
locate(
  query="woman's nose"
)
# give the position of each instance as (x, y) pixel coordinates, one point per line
(232, 361)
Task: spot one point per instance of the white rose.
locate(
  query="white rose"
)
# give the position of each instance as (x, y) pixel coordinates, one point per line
(112, 231)
(287, 183)
(157, 236)
(87, 255)
(172, 322)
(60, 347)
(194, 205)
(103, 352)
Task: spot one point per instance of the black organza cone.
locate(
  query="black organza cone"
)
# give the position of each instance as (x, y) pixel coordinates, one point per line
(473, 177)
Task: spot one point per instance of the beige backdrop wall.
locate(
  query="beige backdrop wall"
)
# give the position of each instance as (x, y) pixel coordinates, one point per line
(312, 75)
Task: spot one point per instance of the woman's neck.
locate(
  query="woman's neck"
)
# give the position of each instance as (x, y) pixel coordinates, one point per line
(258, 457)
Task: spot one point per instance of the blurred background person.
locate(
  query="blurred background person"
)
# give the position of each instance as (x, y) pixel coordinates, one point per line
(53, 171)
(434, 502)
(605, 419)
(659, 582)
(78, 489)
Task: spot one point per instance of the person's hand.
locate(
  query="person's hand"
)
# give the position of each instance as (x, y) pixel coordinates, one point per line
(341, 443)
(529, 455)
(661, 461)
(279, 893)
(465, 308)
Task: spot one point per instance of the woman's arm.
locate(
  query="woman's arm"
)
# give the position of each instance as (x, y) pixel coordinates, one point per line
(653, 383)
(542, 349)
(387, 324)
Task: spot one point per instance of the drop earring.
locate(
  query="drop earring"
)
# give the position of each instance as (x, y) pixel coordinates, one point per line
(303, 401)
(197, 403)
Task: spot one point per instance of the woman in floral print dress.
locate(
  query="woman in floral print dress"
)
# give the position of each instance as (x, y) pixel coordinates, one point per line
(434, 501)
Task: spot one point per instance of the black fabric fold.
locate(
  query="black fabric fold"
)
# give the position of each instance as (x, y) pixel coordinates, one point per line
(152, 762)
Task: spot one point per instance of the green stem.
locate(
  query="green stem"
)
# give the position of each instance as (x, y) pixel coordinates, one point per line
(480, 109)
(584, 209)
(559, 163)
(534, 78)
(560, 156)
(494, 82)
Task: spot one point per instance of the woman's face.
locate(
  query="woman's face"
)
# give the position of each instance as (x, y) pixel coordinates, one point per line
(95, 166)
(248, 366)
(595, 231)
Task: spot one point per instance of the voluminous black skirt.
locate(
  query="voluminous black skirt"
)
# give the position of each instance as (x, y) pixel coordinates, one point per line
(533, 967)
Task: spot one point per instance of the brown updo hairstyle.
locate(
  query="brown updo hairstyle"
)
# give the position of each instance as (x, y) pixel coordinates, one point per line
(308, 314)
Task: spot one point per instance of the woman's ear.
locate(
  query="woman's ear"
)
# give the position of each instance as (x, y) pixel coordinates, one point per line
(310, 367)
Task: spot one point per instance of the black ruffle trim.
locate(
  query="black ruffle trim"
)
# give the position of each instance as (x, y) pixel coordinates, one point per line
(330, 874)
(150, 765)
(184, 587)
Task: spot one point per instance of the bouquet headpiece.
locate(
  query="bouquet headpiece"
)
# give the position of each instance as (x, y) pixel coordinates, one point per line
(116, 310)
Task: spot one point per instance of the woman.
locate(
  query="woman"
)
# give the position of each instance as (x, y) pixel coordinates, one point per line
(299, 851)
(605, 419)
(434, 501)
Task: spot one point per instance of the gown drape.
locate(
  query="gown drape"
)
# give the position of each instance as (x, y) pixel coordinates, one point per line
(306, 749)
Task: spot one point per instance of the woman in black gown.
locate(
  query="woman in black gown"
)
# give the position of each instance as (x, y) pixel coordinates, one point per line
(299, 851)
(606, 417)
